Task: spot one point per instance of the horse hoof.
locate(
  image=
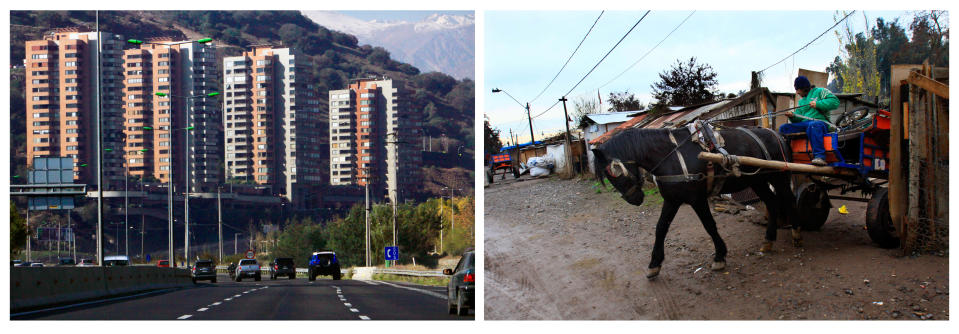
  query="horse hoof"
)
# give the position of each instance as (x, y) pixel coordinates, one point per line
(767, 246)
(796, 234)
(653, 272)
(797, 243)
(719, 265)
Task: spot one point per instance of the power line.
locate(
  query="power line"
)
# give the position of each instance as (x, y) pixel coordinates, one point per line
(650, 50)
(597, 63)
(570, 57)
(810, 42)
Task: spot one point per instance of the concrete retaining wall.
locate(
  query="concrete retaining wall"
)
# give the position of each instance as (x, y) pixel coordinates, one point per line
(37, 287)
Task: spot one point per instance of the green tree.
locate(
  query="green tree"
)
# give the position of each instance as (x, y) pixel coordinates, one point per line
(583, 106)
(18, 231)
(624, 101)
(859, 68)
(685, 84)
(491, 143)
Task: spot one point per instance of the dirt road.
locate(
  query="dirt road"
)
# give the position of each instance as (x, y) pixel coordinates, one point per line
(559, 250)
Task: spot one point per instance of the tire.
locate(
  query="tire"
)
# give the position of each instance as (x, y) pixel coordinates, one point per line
(292, 276)
(450, 306)
(460, 308)
(239, 278)
(194, 280)
(213, 280)
(311, 276)
(272, 277)
(257, 278)
(812, 204)
(337, 276)
(879, 222)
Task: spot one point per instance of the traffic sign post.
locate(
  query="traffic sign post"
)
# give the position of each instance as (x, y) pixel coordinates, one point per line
(250, 254)
(392, 253)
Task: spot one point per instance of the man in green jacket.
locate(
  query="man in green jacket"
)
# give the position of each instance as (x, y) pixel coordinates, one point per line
(811, 118)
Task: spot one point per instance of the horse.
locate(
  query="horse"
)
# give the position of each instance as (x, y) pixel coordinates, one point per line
(682, 179)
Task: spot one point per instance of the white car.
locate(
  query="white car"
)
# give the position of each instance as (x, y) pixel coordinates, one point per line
(248, 268)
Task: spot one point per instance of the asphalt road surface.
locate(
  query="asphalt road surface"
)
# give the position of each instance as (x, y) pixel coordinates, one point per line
(282, 299)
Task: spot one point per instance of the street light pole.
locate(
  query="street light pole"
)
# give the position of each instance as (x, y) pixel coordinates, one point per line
(126, 209)
(219, 224)
(532, 138)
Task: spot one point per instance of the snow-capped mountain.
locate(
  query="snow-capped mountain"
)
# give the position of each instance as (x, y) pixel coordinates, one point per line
(440, 42)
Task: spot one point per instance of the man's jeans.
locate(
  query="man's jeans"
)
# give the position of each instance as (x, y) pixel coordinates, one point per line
(814, 130)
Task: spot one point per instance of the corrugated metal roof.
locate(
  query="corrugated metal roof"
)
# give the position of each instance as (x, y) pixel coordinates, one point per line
(609, 134)
(613, 117)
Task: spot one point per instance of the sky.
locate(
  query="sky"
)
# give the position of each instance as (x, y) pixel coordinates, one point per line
(524, 50)
(400, 15)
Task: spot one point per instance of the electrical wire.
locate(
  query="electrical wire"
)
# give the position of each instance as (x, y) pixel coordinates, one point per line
(597, 63)
(810, 42)
(648, 52)
(570, 57)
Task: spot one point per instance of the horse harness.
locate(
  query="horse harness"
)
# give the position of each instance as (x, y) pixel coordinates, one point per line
(710, 140)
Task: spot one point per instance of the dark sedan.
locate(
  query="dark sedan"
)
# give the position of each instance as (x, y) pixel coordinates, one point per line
(462, 286)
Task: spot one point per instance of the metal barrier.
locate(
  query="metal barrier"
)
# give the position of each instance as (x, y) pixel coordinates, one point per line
(420, 273)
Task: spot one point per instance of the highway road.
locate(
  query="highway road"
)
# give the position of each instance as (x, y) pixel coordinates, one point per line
(282, 299)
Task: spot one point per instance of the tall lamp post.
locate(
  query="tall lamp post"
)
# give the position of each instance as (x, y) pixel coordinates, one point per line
(186, 201)
(532, 139)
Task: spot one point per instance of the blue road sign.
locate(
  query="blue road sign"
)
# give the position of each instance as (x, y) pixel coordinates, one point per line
(392, 253)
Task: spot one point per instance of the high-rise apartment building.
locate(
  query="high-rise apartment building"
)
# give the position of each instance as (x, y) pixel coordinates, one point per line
(61, 95)
(275, 130)
(185, 71)
(373, 137)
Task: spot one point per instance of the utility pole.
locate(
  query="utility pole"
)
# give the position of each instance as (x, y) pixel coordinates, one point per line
(532, 139)
(569, 148)
(219, 225)
(367, 219)
(186, 188)
(126, 209)
(235, 242)
(99, 233)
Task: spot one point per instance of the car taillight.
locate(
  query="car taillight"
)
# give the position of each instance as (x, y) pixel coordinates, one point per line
(469, 278)
(275, 267)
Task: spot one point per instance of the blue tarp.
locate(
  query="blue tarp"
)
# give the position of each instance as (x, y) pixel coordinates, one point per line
(505, 148)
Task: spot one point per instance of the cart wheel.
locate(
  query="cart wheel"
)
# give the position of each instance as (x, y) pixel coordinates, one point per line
(812, 204)
(879, 222)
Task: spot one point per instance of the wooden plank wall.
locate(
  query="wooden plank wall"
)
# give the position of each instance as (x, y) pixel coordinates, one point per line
(897, 172)
(926, 218)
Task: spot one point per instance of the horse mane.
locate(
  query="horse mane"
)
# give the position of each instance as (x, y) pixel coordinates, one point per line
(635, 142)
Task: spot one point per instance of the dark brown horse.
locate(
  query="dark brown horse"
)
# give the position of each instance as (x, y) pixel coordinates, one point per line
(625, 158)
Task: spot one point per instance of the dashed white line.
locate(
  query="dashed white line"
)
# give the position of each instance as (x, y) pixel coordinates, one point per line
(228, 299)
(237, 296)
(202, 309)
(184, 316)
(364, 317)
(354, 310)
(215, 304)
(348, 304)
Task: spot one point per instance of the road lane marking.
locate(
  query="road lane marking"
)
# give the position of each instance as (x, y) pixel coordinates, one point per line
(370, 282)
(348, 304)
(427, 292)
(202, 309)
(185, 316)
(215, 304)
(354, 310)
(237, 296)
(364, 317)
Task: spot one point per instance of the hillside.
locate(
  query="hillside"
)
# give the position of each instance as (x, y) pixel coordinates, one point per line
(336, 57)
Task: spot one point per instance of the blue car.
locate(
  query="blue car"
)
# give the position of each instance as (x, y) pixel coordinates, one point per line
(461, 289)
(324, 263)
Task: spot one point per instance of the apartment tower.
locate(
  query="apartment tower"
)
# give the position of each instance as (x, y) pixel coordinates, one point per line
(155, 127)
(275, 130)
(61, 94)
(373, 138)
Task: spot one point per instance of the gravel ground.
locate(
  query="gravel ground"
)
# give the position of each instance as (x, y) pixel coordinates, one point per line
(557, 249)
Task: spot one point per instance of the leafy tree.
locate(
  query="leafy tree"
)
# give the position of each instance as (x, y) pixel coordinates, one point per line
(435, 82)
(583, 106)
(624, 101)
(18, 231)
(491, 141)
(685, 84)
(858, 68)
(379, 56)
